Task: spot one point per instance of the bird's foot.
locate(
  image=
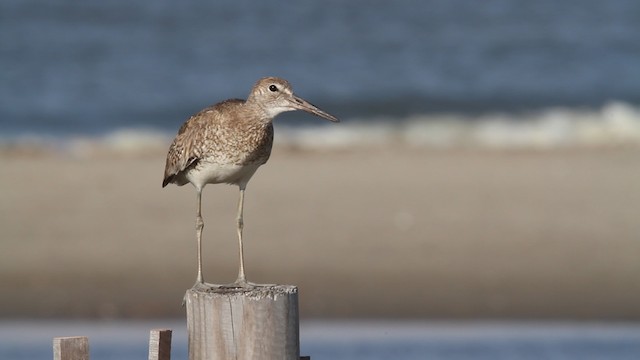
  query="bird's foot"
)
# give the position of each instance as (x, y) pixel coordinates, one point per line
(240, 284)
(201, 285)
(244, 284)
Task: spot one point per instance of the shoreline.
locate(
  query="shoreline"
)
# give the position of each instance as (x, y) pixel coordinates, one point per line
(384, 232)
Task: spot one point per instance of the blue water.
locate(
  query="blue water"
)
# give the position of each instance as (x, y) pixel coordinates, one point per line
(94, 67)
(349, 340)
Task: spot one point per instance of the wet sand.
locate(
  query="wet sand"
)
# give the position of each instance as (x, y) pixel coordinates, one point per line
(369, 232)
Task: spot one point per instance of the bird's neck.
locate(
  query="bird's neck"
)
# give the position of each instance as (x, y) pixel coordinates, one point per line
(252, 115)
(266, 112)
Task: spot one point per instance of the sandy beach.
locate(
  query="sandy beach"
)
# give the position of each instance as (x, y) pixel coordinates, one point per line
(367, 232)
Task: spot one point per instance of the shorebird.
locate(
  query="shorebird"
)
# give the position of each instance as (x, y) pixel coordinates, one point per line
(226, 143)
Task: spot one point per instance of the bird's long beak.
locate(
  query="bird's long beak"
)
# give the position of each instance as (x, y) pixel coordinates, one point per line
(302, 104)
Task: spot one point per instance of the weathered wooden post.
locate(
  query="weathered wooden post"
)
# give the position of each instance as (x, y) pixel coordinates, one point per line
(71, 348)
(160, 344)
(235, 323)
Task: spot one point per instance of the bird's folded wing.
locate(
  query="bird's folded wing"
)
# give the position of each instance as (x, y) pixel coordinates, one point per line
(184, 151)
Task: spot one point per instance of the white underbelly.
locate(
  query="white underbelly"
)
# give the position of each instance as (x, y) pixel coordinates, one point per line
(211, 173)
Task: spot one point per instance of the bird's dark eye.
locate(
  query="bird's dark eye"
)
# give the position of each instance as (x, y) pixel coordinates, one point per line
(273, 88)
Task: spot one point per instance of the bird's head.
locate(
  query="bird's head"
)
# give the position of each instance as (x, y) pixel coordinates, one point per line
(275, 96)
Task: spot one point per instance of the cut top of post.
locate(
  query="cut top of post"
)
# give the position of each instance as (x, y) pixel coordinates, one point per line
(253, 293)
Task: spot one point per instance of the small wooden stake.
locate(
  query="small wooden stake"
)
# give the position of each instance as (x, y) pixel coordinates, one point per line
(71, 348)
(160, 344)
(231, 323)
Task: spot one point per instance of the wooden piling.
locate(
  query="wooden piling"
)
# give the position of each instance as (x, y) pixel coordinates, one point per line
(160, 344)
(234, 323)
(71, 348)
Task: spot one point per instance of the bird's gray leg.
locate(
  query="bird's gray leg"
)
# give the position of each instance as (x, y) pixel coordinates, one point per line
(242, 281)
(199, 227)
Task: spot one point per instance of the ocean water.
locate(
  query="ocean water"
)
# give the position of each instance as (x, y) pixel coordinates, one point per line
(353, 340)
(435, 72)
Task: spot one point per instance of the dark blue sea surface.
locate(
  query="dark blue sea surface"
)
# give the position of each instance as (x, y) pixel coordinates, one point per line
(93, 67)
(349, 340)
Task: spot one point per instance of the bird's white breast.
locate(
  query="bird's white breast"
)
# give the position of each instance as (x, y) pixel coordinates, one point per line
(212, 173)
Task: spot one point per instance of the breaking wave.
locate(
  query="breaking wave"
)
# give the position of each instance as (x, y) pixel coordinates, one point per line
(613, 124)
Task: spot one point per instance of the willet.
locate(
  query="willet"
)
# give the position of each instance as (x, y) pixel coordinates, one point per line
(226, 143)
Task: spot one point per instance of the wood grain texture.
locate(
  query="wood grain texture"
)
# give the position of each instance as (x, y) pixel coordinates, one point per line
(237, 323)
(71, 348)
(160, 344)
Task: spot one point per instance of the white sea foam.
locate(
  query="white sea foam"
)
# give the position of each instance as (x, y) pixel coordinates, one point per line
(613, 124)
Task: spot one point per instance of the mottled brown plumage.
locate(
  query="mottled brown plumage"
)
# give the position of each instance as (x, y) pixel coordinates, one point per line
(228, 133)
(227, 142)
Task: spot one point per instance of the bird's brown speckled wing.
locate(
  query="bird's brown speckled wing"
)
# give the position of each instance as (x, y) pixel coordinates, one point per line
(184, 150)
